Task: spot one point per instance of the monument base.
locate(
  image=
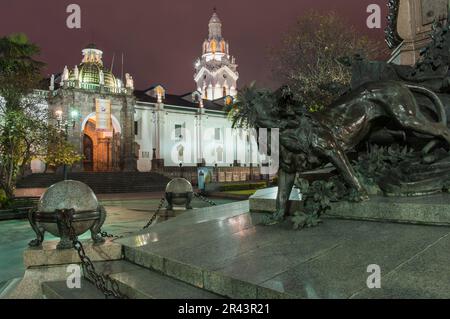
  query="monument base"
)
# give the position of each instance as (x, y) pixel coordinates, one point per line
(264, 200)
(48, 255)
(48, 264)
(426, 210)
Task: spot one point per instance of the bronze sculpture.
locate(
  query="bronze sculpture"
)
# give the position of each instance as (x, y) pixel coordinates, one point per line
(313, 139)
(384, 103)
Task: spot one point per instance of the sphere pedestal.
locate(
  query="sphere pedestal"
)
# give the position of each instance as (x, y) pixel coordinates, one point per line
(67, 201)
(179, 192)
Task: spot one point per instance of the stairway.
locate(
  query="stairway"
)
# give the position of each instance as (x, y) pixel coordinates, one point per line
(102, 182)
(134, 281)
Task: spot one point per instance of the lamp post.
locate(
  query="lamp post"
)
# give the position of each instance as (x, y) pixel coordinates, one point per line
(217, 172)
(62, 125)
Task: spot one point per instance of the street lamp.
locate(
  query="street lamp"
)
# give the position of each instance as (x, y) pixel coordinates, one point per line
(63, 127)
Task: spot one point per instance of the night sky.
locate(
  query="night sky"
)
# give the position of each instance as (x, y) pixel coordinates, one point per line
(161, 39)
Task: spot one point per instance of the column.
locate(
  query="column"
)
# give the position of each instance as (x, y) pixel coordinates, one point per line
(129, 162)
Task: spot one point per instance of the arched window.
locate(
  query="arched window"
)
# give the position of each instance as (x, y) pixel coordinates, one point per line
(213, 46)
(219, 154)
(224, 91)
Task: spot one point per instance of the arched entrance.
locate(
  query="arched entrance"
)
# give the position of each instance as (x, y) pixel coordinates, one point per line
(101, 149)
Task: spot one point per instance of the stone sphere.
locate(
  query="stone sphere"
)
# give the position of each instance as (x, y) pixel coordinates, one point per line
(179, 187)
(67, 195)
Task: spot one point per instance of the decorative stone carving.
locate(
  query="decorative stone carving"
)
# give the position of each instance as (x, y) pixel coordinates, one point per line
(129, 81)
(65, 75)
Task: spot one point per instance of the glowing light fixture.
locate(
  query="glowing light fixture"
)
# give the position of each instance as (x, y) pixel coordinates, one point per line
(74, 114)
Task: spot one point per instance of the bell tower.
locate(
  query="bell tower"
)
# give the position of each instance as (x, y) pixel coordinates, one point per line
(216, 70)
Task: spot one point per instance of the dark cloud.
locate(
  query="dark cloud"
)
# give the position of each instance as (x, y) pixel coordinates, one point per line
(161, 39)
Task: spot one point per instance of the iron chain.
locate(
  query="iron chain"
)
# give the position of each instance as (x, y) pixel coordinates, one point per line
(105, 234)
(107, 285)
(204, 199)
(155, 214)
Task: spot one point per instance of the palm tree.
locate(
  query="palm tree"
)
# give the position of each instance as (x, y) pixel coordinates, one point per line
(19, 72)
(249, 104)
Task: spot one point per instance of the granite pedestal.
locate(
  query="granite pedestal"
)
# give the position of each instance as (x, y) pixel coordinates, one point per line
(426, 210)
(264, 200)
(48, 264)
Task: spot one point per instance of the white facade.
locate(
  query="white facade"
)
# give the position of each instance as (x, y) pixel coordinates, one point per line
(189, 134)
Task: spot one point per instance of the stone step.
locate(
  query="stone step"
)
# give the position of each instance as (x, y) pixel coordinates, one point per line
(224, 251)
(118, 182)
(134, 281)
(7, 286)
(59, 290)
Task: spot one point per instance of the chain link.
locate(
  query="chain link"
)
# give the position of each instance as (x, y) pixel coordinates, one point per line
(105, 234)
(107, 285)
(204, 199)
(155, 214)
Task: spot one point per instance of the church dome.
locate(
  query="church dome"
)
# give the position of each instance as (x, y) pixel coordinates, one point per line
(89, 71)
(110, 79)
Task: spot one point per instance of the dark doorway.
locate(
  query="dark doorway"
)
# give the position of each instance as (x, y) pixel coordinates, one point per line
(88, 152)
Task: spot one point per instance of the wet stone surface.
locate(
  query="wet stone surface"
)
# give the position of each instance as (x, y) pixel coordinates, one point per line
(229, 254)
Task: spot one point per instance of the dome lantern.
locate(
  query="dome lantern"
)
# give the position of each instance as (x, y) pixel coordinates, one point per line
(215, 26)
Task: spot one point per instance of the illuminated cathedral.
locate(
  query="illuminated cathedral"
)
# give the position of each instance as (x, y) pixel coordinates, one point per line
(216, 71)
(119, 128)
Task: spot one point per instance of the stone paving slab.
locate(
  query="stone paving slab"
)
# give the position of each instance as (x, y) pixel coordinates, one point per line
(231, 256)
(342, 270)
(425, 275)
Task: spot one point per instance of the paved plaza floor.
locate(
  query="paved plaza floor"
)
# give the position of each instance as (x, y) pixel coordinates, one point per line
(225, 251)
(127, 213)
